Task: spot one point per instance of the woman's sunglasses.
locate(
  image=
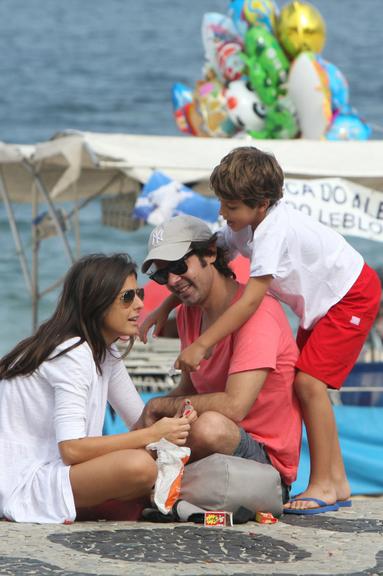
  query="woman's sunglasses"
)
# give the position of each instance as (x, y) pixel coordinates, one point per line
(128, 296)
(178, 267)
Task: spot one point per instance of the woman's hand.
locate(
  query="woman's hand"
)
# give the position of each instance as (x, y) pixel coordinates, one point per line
(186, 410)
(174, 430)
(191, 416)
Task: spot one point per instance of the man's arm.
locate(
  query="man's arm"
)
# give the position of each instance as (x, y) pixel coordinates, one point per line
(235, 402)
(171, 404)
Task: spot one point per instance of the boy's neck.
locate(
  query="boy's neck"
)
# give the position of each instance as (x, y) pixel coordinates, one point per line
(262, 212)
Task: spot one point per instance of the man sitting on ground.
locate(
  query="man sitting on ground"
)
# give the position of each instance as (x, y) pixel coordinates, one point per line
(243, 392)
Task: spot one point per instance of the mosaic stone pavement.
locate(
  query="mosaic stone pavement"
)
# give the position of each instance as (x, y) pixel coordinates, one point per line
(348, 542)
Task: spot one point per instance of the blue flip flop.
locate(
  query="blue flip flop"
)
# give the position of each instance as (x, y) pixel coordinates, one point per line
(344, 503)
(322, 507)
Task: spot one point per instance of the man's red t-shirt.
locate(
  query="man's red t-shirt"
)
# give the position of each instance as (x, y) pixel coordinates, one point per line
(264, 341)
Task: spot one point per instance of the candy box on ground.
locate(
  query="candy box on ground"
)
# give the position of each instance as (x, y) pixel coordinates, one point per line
(218, 519)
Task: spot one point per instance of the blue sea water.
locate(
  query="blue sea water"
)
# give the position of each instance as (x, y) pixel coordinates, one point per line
(108, 67)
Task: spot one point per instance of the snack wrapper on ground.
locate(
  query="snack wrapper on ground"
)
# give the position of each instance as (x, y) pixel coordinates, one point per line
(171, 460)
(265, 518)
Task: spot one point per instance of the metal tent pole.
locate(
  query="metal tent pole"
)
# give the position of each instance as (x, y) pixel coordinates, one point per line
(15, 233)
(35, 260)
(52, 211)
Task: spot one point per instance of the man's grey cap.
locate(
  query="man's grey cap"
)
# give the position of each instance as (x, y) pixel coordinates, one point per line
(171, 240)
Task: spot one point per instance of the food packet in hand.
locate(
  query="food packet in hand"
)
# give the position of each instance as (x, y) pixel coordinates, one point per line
(187, 407)
(171, 460)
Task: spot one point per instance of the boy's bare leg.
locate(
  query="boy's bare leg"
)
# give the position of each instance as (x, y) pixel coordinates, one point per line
(328, 481)
(121, 475)
(338, 471)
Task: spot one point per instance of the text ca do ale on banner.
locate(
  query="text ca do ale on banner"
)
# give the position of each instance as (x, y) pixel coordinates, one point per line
(349, 208)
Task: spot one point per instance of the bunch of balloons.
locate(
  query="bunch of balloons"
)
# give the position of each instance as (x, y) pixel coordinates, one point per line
(264, 76)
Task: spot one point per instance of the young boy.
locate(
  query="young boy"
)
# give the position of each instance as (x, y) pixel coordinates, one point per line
(321, 277)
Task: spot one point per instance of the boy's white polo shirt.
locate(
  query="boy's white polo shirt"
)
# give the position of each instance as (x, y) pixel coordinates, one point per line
(312, 265)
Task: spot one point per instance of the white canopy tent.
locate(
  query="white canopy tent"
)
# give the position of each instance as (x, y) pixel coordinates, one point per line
(85, 162)
(190, 159)
(63, 169)
(79, 166)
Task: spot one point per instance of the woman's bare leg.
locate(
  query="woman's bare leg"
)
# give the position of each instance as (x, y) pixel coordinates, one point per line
(121, 475)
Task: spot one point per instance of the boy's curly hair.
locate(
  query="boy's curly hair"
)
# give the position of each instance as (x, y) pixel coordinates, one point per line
(249, 175)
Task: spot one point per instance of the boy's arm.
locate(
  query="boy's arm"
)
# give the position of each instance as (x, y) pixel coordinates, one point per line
(231, 320)
(158, 317)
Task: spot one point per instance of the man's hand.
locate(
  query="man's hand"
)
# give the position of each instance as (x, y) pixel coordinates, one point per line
(190, 358)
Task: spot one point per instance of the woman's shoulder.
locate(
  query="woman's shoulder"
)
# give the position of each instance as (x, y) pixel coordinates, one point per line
(72, 349)
(70, 365)
(72, 344)
(113, 357)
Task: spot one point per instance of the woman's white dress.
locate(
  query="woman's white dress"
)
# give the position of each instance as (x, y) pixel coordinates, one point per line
(64, 399)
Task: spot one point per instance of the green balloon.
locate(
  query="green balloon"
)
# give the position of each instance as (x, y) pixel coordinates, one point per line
(267, 64)
(280, 122)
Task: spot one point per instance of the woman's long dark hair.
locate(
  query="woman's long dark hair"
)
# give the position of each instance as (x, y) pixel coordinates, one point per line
(90, 288)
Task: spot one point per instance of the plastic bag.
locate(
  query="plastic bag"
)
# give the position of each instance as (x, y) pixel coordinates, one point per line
(171, 460)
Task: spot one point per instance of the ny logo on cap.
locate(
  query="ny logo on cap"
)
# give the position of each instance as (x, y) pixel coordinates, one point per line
(157, 236)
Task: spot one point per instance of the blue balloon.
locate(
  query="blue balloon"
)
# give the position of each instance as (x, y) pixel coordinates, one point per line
(235, 13)
(338, 85)
(181, 95)
(348, 127)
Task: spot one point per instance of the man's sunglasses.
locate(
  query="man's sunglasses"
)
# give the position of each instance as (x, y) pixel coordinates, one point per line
(128, 296)
(178, 267)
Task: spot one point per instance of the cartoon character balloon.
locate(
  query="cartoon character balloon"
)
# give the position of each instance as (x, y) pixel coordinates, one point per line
(266, 64)
(248, 112)
(348, 127)
(338, 85)
(264, 76)
(280, 121)
(261, 13)
(217, 30)
(308, 89)
(209, 115)
(244, 106)
(182, 98)
(229, 59)
(235, 12)
(301, 28)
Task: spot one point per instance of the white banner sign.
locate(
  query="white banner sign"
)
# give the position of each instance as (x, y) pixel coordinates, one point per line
(349, 208)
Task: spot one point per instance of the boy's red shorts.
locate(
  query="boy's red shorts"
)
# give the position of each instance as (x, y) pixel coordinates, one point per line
(330, 350)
